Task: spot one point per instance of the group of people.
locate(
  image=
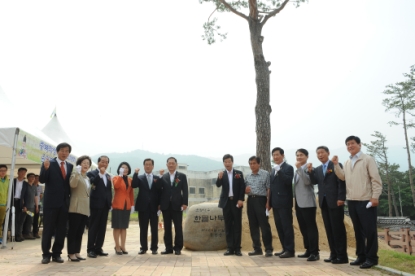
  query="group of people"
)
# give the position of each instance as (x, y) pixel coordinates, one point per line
(75, 195)
(357, 183)
(26, 198)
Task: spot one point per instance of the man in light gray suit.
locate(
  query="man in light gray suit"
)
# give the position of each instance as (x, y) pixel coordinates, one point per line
(305, 207)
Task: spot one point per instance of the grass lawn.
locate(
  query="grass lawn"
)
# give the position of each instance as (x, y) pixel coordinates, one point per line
(397, 260)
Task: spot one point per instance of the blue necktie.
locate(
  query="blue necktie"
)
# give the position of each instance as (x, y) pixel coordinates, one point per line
(324, 169)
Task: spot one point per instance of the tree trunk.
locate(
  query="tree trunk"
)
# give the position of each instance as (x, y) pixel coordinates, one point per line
(387, 178)
(395, 207)
(262, 108)
(411, 183)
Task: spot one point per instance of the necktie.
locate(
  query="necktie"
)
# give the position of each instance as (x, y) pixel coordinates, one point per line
(149, 180)
(63, 169)
(324, 169)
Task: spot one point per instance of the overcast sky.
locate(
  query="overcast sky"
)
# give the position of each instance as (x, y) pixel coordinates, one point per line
(128, 75)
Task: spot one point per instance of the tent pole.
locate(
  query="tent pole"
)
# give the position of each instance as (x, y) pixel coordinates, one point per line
(11, 178)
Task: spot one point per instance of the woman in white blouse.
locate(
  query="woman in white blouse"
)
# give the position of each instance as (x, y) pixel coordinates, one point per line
(78, 207)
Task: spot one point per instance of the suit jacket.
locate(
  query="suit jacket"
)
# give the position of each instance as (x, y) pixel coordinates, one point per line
(281, 191)
(79, 202)
(100, 195)
(123, 196)
(238, 187)
(329, 185)
(147, 199)
(304, 190)
(57, 190)
(22, 192)
(177, 194)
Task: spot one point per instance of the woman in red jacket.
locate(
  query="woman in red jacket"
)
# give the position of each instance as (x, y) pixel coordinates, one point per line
(121, 206)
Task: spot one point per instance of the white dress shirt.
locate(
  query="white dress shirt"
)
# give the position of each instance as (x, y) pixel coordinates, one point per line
(230, 178)
(103, 176)
(19, 186)
(64, 165)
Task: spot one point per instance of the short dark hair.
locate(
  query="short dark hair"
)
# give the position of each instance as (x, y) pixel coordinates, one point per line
(124, 163)
(36, 175)
(82, 158)
(226, 156)
(64, 145)
(323, 148)
(350, 138)
(103, 156)
(175, 160)
(278, 149)
(256, 158)
(302, 151)
(30, 174)
(21, 169)
(3, 166)
(149, 159)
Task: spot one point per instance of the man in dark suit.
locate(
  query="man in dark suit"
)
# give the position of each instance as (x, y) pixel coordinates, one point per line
(99, 204)
(281, 201)
(174, 200)
(18, 194)
(331, 195)
(55, 173)
(231, 201)
(147, 204)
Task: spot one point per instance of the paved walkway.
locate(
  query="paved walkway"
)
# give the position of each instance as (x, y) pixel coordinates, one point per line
(25, 257)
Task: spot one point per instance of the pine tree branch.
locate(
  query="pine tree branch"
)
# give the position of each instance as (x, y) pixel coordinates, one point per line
(274, 12)
(228, 6)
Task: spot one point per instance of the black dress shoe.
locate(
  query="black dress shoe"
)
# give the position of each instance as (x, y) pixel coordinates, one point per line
(141, 252)
(287, 254)
(18, 239)
(255, 252)
(313, 258)
(46, 260)
(329, 259)
(238, 253)
(340, 261)
(358, 261)
(57, 259)
(228, 253)
(268, 253)
(117, 252)
(154, 252)
(92, 254)
(80, 258)
(305, 255)
(101, 253)
(368, 264)
(177, 252)
(167, 252)
(279, 253)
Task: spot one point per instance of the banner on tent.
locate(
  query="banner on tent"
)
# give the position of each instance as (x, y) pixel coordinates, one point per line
(32, 148)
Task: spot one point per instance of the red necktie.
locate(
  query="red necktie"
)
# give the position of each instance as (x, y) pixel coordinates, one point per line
(63, 169)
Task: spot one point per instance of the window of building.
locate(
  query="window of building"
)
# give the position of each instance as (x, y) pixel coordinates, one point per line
(192, 190)
(202, 191)
(182, 167)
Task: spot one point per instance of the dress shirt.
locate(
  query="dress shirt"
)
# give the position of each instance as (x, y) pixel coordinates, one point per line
(172, 177)
(230, 178)
(258, 182)
(88, 184)
(104, 178)
(19, 186)
(39, 191)
(354, 158)
(149, 177)
(64, 165)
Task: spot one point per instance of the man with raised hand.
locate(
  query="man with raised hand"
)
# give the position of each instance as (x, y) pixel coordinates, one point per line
(363, 188)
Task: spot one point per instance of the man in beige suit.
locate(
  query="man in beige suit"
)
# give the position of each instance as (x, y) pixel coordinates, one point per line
(363, 188)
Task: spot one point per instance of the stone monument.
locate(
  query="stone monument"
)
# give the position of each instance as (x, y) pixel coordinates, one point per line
(204, 228)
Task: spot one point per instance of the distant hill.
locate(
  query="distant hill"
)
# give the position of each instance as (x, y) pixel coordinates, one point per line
(397, 154)
(135, 159)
